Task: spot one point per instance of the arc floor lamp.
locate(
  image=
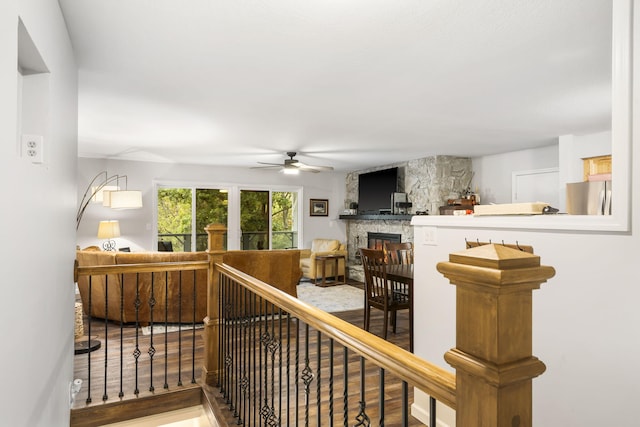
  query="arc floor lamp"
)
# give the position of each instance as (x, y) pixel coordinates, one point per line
(112, 196)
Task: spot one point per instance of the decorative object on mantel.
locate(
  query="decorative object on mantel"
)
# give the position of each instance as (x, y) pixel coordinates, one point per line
(109, 230)
(99, 189)
(319, 207)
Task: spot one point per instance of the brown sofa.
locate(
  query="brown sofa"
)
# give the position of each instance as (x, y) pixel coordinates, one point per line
(280, 268)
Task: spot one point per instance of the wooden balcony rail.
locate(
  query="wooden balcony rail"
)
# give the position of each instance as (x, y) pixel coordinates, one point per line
(290, 344)
(124, 378)
(242, 299)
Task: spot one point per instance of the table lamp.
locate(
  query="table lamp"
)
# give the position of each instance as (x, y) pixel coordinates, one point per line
(109, 230)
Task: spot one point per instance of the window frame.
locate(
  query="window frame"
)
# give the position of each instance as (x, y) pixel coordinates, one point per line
(234, 233)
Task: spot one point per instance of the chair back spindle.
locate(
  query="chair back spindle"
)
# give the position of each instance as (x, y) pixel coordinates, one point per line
(399, 253)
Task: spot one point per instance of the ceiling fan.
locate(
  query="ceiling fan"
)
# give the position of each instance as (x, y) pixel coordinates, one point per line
(293, 166)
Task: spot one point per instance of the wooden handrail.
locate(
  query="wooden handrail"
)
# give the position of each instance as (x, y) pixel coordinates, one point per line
(437, 382)
(151, 267)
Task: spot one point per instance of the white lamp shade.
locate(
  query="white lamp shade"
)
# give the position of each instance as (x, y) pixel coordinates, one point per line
(108, 229)
(125, 199)
(99, 193)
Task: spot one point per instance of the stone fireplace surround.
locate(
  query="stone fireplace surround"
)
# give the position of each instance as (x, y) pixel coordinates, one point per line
(428, 182)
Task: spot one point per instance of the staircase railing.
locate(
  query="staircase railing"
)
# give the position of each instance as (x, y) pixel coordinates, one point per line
(280, 361)
(283, 362)
(271, 354)
(135, 362)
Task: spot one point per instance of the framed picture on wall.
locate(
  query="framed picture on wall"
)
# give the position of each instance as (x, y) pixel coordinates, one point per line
(319, 207)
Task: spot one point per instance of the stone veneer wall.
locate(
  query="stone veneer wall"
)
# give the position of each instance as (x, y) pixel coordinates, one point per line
(428, 182)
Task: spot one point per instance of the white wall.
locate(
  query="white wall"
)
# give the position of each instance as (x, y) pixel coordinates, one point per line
(136, 226)
(573, 148)
(493, 173)
(585, 319)
(37, 304)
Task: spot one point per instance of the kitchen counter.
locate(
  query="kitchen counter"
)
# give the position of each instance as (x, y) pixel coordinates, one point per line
(604, 223)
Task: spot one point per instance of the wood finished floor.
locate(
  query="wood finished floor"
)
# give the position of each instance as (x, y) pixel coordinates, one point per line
(165, 370)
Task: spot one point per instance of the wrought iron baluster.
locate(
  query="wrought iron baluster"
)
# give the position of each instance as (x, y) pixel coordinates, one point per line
(297, 370)
(381, 397)
(105, 396)
(166, 328)
(136, 351)
(152, 349)
(432, 412)
(180, 330)
(264, 368)
(193, 331)
(244, 362)
(307, 376)
(362, 418)
(236, 349)
(345, 392)
(405, 404)
(254, 348)
(331, 381)
(121, 393)
(319, 377)
(279, 416)
(288, 369)
(89, 343)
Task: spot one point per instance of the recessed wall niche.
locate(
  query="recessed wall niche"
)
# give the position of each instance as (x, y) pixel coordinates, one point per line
(33, 90)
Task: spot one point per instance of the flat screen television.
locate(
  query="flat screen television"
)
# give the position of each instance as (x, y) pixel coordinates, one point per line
(374, 190)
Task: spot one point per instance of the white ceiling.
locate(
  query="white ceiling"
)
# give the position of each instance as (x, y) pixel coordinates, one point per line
(345, 83)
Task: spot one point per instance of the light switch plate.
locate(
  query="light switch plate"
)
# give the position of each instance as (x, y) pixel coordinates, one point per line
(430, 236)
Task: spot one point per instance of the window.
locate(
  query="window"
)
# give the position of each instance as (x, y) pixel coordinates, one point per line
(268, 219)
(255, 218)
(183, 213)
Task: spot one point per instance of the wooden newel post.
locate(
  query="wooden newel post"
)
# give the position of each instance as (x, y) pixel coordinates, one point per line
(493, 355)
(215, 250)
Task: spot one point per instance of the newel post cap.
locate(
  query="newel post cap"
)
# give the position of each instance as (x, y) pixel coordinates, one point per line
(495, 265)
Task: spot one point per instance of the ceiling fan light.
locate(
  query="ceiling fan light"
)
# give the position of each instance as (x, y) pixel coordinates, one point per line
(290, 171)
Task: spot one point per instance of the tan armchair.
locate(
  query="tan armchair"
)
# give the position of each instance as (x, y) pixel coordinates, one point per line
(311, 269)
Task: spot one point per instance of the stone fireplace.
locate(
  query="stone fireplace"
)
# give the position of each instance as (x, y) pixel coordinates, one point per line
(428, 183)
(373, 234)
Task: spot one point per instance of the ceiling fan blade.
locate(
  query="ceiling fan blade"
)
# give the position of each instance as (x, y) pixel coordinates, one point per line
(292, 163)
(312, 168)
(270, 164)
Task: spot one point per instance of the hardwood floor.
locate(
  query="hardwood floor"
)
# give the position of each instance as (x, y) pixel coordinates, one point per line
(162, 376)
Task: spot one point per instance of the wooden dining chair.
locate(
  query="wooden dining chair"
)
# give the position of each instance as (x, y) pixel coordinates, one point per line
(399, 253)
(381, 293)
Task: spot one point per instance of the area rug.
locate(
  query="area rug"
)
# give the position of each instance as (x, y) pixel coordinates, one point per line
(331, 299)
(160, 328)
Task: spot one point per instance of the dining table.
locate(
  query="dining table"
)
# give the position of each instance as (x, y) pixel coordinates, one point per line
(403, 273)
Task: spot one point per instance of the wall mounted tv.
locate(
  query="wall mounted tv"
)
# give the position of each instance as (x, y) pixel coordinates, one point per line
(374, 190)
